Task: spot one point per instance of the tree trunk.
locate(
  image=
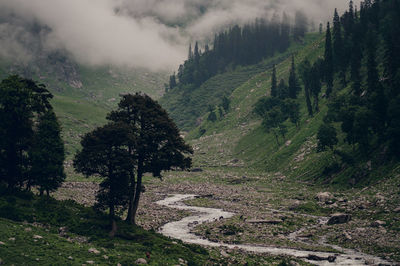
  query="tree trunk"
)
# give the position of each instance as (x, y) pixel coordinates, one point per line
(138, 190)
(129, 218)
(113, 224)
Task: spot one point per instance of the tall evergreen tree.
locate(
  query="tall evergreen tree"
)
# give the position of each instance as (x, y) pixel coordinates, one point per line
(47, 154)
(21, 102)
(338, 48)
(293, 83)
(328, 62)
(376, 95)
(305, 71)
(274, 89)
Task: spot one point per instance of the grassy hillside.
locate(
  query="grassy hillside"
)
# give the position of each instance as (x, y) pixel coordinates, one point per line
(42, 231)
(237, 138)
(185, 107)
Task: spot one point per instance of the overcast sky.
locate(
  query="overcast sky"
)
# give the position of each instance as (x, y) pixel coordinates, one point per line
(153, 34)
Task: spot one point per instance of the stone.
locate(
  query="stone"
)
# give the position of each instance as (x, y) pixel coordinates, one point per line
(2, 243)
(339, 218)
(37, 237)
(295, 205)
(28, 229)
(397, 210)
(12, 239)
(294, 263)
(378, 223)
(324, 196)
(288, 143)
(141, 261)
(70, 258)
(224, 254)
(94, 251)
(105, 257)
(90, 262)
(347, 236)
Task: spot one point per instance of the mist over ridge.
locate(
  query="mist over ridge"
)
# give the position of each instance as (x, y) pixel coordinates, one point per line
(151, 34)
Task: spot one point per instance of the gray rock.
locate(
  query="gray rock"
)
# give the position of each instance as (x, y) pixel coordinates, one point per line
(90, 262)
(94, 251)
(141, 261)
(397, 210)
(378, 223)
(339, 218)
(324, 196)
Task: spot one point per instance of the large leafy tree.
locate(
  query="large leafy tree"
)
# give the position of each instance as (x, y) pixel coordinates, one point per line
(104, 153)
(155, 145)
(21, 102)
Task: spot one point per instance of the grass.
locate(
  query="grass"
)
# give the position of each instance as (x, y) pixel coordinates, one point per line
(29, 229)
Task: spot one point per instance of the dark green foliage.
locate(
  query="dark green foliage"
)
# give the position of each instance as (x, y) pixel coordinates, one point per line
(328, 62)
(327, 137)
(292, 108)
(172, 82)
(274, 112)
(154, 143)
(306, 76)
(47, 154)
(274, 89)
(283, 90)
(104, 153)
(22, 102)
(338, 49)
(293, 87)
(315, 76)
(225, 103)
(212, 117)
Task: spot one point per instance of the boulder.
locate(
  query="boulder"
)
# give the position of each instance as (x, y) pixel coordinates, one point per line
(324, 196)
(94, 251)
(339, 218)
(397, 210)
(141, 261)
(378, 223)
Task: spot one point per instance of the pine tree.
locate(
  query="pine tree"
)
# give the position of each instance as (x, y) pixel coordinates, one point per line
(328, 62)
(293, 84)
(21, 102)
(47, 154)
(376, 95)
(305, 71)
(274, 92)
(338, 55)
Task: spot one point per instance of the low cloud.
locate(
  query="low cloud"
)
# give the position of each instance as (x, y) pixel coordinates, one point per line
(153, 34)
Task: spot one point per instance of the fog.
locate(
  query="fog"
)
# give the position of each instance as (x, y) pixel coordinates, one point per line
(151, 34)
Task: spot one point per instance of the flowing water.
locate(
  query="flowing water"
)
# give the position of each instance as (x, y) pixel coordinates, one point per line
(181, 230)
